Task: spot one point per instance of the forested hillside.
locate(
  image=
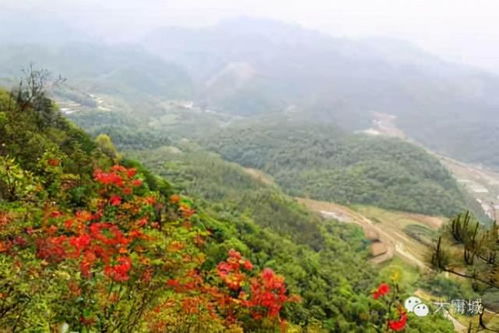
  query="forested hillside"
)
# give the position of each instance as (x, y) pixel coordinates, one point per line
(92, 246)
(322, 162)
(86, 245)
(343, 167)
(238, 190)
(306, 157)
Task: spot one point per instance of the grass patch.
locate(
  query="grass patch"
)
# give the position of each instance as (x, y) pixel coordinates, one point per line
(421, 233)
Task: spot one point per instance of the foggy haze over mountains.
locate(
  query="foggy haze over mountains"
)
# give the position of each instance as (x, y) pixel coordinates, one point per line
(459, 31)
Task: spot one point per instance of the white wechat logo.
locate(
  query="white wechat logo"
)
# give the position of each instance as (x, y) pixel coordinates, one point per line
(414, 304)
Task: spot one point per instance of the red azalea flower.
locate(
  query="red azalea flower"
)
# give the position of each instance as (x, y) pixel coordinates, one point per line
(267, 274)
(175, 198)
(398, 325)
(234, 254)
(115, 200)
(108, 178)
(136, 182)
(224, 268)
(52, 230)
(20, 241)
(55, 214)
(382, 290)
(119, 168)
(135, 233)
(88, 260)
(80, 242)
(120, 271)
(248, 265)
(68, 224)
(5, 246)
(142, 222)
(150, 200)
(83, 215)
(131, 172)
(173, 284)
(268, 291)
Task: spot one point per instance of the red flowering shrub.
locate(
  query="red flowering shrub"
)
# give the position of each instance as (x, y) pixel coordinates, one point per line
(392, 305)
(268, 294)
(129, 262)
(230, 271)
(240, 294)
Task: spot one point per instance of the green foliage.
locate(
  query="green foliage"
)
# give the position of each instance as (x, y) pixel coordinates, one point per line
(323, 261)
(491, 299)
(469, 250)
(273, 230)
(119, 264)
(15, 183)
(320, 162)
(106, 145)
(421, 233)
(446, 288)
(94, 249)
(206, 175)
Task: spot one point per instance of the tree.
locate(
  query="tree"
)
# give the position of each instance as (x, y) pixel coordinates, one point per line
(469, 250)
(105, 143)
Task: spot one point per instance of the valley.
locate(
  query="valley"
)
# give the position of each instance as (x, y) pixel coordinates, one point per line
(244, 151)
(479, 181)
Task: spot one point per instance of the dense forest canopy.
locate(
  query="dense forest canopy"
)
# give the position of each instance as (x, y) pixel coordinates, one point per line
(307, 158)
(321, 162)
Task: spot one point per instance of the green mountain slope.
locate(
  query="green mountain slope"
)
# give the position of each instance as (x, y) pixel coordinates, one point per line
(43, 153)
(283, 229)
(321, 162)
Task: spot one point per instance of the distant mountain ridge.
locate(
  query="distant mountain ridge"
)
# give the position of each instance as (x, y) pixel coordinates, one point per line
(446, 106)
(250, 67)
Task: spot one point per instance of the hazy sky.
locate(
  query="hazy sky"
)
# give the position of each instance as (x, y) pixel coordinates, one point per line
(459, 30)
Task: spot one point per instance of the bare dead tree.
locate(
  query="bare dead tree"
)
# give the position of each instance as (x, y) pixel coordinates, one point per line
(32, 87)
